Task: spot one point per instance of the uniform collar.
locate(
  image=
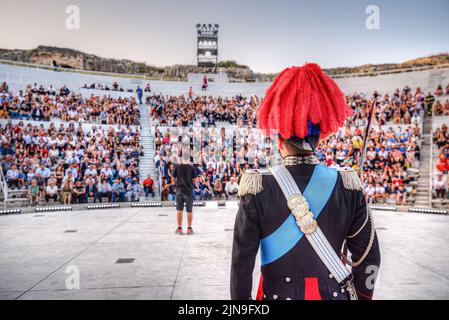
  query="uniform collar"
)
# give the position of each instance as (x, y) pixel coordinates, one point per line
(300, 159)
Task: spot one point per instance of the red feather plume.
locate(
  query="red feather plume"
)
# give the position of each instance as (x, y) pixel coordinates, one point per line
(300, 94)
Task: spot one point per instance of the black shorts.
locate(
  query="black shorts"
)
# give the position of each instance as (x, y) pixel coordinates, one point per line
(182, 199)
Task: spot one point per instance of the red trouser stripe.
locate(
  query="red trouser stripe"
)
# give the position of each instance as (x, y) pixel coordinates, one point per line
(311, 291)
(259, 295)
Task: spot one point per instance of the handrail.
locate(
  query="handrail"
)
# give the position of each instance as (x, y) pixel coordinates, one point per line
(431, 160)
(4, 187)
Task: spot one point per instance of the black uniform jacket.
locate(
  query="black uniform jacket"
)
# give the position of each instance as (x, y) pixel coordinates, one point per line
(300, 274)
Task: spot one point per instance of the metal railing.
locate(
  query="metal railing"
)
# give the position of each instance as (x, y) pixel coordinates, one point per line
(3, 188)
(431, 161)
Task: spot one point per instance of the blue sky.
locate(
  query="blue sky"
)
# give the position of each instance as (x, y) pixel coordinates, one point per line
(267, 35)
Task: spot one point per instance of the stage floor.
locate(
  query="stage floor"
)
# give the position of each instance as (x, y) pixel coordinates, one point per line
(41, 255)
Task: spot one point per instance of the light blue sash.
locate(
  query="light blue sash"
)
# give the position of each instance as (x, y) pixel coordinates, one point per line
(317, 194)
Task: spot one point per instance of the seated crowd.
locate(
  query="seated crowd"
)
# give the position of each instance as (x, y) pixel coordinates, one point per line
(389, 154)
(440, 109)
(71, 165)
(220, 157)
(39, 104)
(185, 111)
(66, 164)
(115, 87)
(439, 90)
(441, 179)
(98, 86)
(401, 107)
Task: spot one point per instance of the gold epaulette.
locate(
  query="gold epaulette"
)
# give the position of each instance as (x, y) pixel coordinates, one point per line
(251, 182)
(350, 178)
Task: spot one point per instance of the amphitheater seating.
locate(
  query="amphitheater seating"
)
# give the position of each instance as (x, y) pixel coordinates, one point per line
(403, 106)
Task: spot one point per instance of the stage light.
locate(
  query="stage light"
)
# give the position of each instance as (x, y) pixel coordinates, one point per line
(383, 208)
(428, 210)
(10, 211)
(196, 203)
(207, 45)
(147, 204)
(103, 206)
(53, 208)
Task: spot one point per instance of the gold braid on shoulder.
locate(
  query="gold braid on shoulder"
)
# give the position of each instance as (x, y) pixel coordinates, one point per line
(350, 179)
(250, 183)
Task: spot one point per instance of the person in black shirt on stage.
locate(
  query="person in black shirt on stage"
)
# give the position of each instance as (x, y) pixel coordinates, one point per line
(184, 174)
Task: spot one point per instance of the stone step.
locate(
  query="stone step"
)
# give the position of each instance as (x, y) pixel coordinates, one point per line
(421, 204)
(422, 198)
(16, 199)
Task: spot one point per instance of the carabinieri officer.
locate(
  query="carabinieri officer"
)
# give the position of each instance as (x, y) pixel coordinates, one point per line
(302, 213)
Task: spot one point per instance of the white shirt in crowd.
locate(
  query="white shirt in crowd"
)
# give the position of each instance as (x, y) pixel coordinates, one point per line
(370, 190)
(380, 190)
(231, 187)
(104, 187)
(123, 173)
(92, 172)
(12, 174)
(439, 183)
(107, 172)
(51, 189)
(44, 173)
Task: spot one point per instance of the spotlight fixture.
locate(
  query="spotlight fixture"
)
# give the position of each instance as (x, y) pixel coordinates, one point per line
(383, 208)
(103, 206)
(195, 203)
(10, 211)
(207, 45)
(428, 210)
(221, 203)
(147, 204)
(199, 203)
(53, 208)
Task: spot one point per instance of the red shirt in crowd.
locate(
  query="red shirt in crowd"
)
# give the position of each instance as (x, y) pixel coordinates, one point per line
(148, 182)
